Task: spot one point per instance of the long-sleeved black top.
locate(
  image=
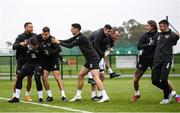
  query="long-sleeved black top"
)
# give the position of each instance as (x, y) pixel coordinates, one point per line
(35, 55)
(84, 45)
(21, 52)
(143, 44)
(51, 50)
(100, 42)
(164, 46)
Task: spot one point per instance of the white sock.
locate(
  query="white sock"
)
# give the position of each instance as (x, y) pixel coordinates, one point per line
(63, 93)
(40, 94)
(110, 70)
(18, 92)
(93, 94)
(104, 94)
(27, 93)
(49, 93)
(14, 94)
(136, 92)
(90, 75)
(78, 93)
(99, 93)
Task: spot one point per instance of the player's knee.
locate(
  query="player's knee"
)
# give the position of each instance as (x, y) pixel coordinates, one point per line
(37, 76)
(80, 77)
(136, 80)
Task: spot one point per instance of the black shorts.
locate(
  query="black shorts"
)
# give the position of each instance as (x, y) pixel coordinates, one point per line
(20, 64)
(51, 65)
(92, 65)
(30, 69)
(27, 69)
(143, 64)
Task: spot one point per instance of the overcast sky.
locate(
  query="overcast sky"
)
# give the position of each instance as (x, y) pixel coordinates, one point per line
(91, 14)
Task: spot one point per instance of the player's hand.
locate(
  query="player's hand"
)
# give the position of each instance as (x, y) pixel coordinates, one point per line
(54, 40)
(24, 43)
(110, 49)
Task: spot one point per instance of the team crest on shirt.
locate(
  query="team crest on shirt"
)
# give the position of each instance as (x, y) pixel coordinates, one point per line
(33, 55)
(166, 36)
(159, 37)
(48, 44)
(55, 66)
(36, 51)
(90, 65)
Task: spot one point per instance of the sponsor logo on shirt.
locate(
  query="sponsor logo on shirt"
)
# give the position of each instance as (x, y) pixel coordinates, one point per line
(166, 36)
(90, 65)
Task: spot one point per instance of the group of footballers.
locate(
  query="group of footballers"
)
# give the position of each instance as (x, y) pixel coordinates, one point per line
(39, 54)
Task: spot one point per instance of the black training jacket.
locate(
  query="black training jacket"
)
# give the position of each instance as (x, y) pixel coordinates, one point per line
(100, 42)
(164, 45)
(84, 45)
(52, 48)
(143, 44)
(21, 52)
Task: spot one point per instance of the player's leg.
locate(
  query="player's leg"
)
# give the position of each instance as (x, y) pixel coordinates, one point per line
(80, 83)
(59, 81)
(95, 73)
(93, 86)
(46, 85)
(168, 94)
(156, 73)
(112, 74)
(28, 88)
(18, 68)
(37, 76)
(137, 77)
(24, 72)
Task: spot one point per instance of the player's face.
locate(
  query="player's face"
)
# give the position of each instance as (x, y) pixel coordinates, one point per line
(115, 35)
(45, 35)
(148, 28)
(74, 31)
(34, 46)
(29, 28)
(163, 27)
(107, 32)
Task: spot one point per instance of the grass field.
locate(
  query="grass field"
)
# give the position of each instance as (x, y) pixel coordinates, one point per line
(120, 91)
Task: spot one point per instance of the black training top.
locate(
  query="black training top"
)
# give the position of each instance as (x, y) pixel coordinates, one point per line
(34, 55)
(51, 50)
(21, 52)
(164, 45)
(84, 45)
(100, 42)
(143, 44)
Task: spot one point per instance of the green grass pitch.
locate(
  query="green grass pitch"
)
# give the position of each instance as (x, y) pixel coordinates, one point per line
(119, 90)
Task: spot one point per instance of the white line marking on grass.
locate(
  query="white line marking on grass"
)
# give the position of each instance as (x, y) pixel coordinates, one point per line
(51, 106)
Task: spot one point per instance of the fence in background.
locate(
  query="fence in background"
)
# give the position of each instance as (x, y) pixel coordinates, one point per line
(73, 63)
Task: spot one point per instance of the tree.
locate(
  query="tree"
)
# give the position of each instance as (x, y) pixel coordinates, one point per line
(9, 44)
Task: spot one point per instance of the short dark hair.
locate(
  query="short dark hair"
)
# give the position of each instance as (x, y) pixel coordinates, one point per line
(76, 25)
(107, 26)
(27, 23)
(46, 29)
(153, 24)
(114, 30)
(164, 22)
(32, 41)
